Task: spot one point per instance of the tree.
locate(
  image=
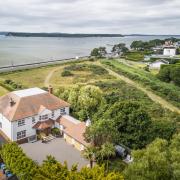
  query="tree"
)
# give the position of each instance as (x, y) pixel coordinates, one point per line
(84, 100)
(132, 122)
(95, 52)
(159, 161)
(164, 74)
(89, 99)
(137, 45)
(107, 151)
(99, 52)
(89, 153)
(170, 73)
(100, 132)
(175, 75)
(53, 170)
(119, 48)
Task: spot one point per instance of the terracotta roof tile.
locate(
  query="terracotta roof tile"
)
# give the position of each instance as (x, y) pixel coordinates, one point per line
(28, 106)
(75, 130)
(44, 124)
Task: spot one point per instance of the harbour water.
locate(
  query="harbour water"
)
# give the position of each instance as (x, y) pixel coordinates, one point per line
(23, 50)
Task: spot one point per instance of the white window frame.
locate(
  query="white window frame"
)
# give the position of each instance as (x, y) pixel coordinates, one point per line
(43, 117)
(33, 120)
(63, 110)
(21, 134)
(21, 122)
(52, 114)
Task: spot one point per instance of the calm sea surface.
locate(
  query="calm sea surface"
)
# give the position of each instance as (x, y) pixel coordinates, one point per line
(21, 50)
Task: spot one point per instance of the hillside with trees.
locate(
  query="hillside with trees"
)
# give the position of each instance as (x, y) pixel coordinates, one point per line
(170, 74)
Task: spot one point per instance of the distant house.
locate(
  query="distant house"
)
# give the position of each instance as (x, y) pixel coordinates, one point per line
(169, 49)
(157, 64)
(26, 113)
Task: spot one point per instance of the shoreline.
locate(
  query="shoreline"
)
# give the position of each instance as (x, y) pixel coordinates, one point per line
(9, 68)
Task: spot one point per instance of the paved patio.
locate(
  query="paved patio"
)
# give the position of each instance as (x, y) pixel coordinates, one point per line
(58, 148)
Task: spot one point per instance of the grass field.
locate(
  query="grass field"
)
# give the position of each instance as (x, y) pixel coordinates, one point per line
(3, 91)
(36, 77)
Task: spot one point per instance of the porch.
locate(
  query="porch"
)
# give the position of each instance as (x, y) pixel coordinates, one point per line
(44, 127)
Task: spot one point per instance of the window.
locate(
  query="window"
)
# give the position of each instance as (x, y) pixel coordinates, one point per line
(33, 120)
(52, 114)
(62, 111)
(21, 134)
(43, 117)
(21, 122)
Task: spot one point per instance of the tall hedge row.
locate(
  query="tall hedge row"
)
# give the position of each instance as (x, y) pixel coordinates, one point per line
(17, 162)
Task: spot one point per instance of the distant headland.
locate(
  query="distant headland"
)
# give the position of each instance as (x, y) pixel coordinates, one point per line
(25, 34)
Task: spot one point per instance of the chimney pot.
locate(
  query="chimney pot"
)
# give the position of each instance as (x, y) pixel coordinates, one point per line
(11, 102)
(50, 89)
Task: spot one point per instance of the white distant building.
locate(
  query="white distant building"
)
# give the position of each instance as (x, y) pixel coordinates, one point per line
(26, 113)
(169, 49)
(157, 64)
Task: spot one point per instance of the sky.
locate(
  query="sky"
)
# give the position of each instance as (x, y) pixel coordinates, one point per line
(91, 16)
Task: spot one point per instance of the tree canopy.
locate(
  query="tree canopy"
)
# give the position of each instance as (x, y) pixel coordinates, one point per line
(119, 48)
(170, 73)
(132, 122)
(99, 52)
(159, 161)
(26, 169)
(84, 100)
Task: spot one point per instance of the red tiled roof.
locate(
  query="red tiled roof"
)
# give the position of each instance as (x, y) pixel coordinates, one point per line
(74, 130)
(28, 106)
(41, 125)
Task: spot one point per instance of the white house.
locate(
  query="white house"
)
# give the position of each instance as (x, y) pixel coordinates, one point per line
(157, 64)
(25, 113)
(169, 49)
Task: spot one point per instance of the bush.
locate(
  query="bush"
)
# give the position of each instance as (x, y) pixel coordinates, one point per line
(17, 162)
(66, 73)
(98, 70)
(7, 81)
(55, 131)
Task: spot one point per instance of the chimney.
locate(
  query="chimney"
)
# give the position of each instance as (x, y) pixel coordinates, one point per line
(50, 89)
(12, 102)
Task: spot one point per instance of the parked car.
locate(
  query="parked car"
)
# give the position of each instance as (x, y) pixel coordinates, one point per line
(121, 151)
(8, 174)
(124, 153)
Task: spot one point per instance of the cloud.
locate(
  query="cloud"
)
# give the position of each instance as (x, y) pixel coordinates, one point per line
(91, 16)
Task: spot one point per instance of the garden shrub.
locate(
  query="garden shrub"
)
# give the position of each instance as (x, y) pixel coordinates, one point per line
(66, 73)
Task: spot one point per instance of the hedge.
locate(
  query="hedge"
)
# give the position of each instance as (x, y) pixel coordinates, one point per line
(17, 161)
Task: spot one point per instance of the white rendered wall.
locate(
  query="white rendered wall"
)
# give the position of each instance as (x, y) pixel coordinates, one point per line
(28, 127)
(11, 128)
(169, 52)
(6, 126)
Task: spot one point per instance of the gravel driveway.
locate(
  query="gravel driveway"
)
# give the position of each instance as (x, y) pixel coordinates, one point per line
(58, 148)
